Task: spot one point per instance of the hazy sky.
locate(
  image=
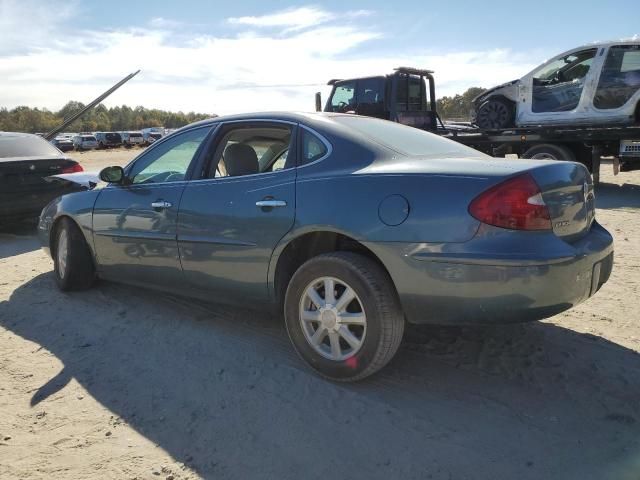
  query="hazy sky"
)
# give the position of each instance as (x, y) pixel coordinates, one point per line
(226, 57)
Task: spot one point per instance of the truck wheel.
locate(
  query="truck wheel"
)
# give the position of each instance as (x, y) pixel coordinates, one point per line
(495, 114)
(72, 262)
(343, 316)
(549, 151)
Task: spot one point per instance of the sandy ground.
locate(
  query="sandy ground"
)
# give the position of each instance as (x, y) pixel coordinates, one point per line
(116, 383)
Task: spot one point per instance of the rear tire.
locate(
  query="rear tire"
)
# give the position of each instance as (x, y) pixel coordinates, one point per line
(367, 329)
(72, 260)
(495, 114)
(549, 151)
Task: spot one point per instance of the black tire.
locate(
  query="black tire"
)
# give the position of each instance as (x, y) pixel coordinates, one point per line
(495, 114)
(384, 317)
(78, 273)
(549, 151)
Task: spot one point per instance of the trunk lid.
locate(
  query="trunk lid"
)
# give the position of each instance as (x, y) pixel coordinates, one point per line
(25, 174)
(567, 190)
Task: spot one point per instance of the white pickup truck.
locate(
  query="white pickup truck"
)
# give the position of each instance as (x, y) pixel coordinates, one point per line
(591, 85)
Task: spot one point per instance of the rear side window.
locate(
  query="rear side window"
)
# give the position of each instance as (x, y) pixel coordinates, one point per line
(26, 146)
(312, 148)
(407, 140)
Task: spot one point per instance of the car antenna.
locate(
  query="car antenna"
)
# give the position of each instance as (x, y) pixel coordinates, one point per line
(68, 121)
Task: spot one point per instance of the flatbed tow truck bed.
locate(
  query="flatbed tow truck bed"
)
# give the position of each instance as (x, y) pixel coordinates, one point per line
(590, 143)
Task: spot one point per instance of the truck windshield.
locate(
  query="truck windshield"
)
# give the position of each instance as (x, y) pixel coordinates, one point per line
(407, 140)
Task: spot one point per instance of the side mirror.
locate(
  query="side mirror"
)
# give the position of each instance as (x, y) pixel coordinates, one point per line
(318, 102)
(112, 174)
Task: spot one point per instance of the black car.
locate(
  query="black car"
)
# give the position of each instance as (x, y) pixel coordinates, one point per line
(108, 139)
(63, 144)
(25, 162)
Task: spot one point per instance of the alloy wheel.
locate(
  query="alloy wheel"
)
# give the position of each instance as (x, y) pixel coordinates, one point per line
(333, 319)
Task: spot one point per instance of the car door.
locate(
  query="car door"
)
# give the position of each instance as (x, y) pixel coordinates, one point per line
(134, 224)
(618, 87)
(559, 91)
(231, 220)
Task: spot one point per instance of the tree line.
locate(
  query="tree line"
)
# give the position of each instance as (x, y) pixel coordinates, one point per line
(98, 119)
(459, 106)
(103, 119)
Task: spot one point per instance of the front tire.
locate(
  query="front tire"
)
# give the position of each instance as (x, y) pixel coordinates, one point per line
(72, 260)
(343, 316)
(495, 114)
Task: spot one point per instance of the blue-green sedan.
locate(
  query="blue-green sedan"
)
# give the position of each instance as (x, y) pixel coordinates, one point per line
(349, 226)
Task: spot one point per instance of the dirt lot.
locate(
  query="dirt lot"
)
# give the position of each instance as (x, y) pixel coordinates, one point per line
(117, 383)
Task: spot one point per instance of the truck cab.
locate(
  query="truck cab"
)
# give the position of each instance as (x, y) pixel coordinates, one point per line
(406, 96)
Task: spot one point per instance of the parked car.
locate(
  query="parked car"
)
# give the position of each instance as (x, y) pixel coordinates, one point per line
(150, 137)
(130, 139)
(63, 144)
(348, 225)
(108, 139)
(85, 142)
(25, 162)
(593, 84)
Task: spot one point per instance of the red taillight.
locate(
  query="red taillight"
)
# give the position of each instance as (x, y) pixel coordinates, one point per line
(516, 204)
(73, 169)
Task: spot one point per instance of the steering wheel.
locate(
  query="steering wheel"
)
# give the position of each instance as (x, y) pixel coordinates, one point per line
(342, 106)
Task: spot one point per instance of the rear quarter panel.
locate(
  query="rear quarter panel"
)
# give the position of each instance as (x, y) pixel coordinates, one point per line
(350, 203)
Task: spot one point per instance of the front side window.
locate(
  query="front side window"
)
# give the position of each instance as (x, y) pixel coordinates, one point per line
(557, 86)
(169, 160)
(248, 150)
(620, 77)
(344, 97)
(370, 97)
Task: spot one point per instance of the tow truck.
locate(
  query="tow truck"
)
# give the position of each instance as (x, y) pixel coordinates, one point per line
(407, 96)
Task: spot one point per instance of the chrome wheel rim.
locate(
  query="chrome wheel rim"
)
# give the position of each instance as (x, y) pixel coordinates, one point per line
(332, 318)
(62, 252)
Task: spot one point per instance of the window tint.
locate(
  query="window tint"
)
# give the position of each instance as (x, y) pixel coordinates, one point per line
(248, 150)
(370, 97)
(343, 98)
(410, 95)
(620, 77)
(312, 148)
(25, 146)
(169, 160)
(407, 140)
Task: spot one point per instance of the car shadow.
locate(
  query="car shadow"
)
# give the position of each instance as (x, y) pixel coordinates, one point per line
(221, 390)
(611, 196)
(17, 238)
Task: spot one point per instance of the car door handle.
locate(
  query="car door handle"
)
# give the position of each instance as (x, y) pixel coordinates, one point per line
(161, 204)
(271, 203)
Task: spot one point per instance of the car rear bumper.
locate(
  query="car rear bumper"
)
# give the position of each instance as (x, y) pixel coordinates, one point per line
(459, 285)
(29, 203)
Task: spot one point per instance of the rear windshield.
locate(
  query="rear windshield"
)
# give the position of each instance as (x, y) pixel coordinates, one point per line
(406, 140)
(135, 135)
(112, 136)
(88, 137)
(155, 135)
(26, 146)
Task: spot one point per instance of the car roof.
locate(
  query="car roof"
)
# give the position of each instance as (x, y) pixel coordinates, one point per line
(608, 43)
(295, 117)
